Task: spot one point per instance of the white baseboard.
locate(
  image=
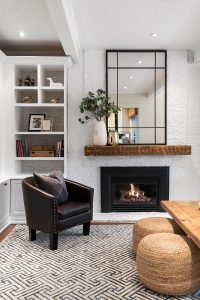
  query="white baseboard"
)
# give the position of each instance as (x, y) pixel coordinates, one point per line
(7, 220)
(4, 223)
(126, 216)
(17, 220)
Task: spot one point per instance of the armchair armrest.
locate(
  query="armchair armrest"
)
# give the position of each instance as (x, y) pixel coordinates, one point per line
(80, 192)
(40, 208)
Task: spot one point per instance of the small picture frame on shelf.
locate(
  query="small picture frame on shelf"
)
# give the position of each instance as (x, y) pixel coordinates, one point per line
(35, 122)
(47, 125)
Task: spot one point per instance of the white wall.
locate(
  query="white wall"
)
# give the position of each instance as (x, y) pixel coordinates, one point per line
(1, 110)
(183, 126)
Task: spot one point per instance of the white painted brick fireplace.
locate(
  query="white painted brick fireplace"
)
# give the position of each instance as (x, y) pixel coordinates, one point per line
(183, 126)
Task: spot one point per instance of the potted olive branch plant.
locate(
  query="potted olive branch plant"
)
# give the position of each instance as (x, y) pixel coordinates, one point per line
(97, 105)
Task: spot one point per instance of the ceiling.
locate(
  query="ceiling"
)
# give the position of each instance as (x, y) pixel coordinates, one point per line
(127, 24)
(31, 17)
(64, 26)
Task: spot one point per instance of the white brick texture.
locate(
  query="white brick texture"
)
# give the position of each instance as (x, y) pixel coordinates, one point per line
(183, 126)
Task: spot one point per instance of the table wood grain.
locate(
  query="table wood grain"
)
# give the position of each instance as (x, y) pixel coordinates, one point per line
(187, 216)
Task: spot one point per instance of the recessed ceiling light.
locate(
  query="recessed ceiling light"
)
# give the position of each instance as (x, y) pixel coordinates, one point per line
(21, 34)
(130, 77)
(125, 87)
(139, 61)
(154, 34)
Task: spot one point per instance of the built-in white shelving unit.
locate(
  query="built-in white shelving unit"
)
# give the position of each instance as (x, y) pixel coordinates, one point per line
(42, 94)
(15, 120)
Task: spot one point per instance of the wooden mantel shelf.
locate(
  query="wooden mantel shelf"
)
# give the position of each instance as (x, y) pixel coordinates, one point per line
(129, 150)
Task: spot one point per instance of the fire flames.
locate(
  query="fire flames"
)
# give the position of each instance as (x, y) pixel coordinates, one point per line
(134, 195)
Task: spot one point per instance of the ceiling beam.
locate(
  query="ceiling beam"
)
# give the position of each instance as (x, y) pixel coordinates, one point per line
(61, 12)
(2, 56)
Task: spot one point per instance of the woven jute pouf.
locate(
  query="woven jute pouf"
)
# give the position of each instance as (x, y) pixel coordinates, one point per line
(169, 263)
(148, 226)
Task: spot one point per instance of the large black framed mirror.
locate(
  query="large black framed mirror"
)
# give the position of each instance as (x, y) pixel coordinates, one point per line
(136, 80)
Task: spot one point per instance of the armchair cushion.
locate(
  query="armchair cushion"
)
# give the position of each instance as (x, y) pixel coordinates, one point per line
(72, 208)
(59, 176)
(53, 184)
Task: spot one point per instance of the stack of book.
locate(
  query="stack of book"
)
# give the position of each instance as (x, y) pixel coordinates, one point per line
(60, 149)
(21, 148)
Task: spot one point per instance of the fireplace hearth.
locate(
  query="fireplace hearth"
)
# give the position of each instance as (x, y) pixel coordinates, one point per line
(133, 188)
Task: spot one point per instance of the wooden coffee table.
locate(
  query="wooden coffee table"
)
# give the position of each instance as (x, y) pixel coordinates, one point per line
(187, 216)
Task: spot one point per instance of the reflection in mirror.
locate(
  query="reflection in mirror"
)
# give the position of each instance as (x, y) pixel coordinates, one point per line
(136, 59)
(160, 98)
(139, 89)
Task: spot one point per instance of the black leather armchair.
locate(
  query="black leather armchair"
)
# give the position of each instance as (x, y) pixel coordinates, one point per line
(43, 212)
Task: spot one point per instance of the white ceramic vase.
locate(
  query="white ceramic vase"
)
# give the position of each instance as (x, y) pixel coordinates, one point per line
(100, 134)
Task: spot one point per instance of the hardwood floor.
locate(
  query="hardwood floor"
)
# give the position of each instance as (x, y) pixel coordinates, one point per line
(6, 232)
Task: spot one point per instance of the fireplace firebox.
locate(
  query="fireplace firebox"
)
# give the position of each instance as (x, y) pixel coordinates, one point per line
(133, 188)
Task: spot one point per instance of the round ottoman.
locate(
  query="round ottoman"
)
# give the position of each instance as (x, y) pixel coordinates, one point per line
(148, 226)
(169, 263)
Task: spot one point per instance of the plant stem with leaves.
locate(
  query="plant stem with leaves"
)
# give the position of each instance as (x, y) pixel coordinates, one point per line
(97, 106)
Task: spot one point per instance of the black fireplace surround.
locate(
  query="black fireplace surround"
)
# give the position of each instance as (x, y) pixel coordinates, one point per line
(133, 188)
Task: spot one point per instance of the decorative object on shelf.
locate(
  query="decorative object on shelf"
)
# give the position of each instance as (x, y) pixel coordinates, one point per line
(35, 122)
(124, 138)
(47, 125)
(54, 84)
(32, 82)
(27, 99)
(100, 133)
(27, 81)
(98, 106)
(42, 151)
(20, 81)
(60, 149)
(113, 137)
(53, 101)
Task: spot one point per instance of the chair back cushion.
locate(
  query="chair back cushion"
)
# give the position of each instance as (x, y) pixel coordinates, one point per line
(53, 184)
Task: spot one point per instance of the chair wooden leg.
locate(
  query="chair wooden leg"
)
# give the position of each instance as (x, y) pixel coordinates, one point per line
(32, 234)
(86, 228)
(53, 237)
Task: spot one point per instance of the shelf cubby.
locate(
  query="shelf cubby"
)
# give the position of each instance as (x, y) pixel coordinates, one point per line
(27, 167)
(49, 94)
(56, 72)
(56, 114)
(21, 93)
(39, 140)
(22, 71)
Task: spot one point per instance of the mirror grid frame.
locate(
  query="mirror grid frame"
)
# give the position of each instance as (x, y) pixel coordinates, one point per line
(155, 68)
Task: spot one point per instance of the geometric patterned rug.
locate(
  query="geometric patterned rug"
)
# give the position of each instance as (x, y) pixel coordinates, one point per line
(100, 266)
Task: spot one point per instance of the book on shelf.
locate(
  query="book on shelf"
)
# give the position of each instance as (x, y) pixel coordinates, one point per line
(21, 148)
